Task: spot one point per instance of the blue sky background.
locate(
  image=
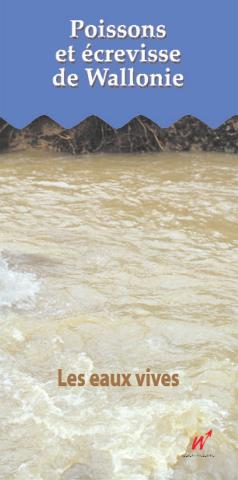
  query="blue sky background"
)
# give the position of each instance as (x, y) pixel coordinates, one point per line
(205, 31)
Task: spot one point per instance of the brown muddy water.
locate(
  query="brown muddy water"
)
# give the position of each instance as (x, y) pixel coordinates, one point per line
(114, 264)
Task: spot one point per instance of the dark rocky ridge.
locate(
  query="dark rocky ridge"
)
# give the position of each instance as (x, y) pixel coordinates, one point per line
(139, 135)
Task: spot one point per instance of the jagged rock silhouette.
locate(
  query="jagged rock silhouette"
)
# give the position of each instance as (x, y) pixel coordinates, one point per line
(93, 135)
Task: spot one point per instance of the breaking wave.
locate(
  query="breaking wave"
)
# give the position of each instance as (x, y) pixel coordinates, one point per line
(16, 288)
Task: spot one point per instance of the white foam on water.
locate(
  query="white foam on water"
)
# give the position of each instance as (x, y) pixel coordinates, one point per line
(17, 289)
(56, 184)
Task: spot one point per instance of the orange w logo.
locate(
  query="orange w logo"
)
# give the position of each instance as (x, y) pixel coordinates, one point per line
(201, 440)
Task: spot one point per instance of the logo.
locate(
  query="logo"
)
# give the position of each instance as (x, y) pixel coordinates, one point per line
(201, 440)
(199, 443)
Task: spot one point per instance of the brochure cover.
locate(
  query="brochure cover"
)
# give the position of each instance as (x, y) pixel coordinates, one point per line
(118, 240)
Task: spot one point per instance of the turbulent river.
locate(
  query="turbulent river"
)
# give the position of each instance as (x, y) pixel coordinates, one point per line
(118, 264)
